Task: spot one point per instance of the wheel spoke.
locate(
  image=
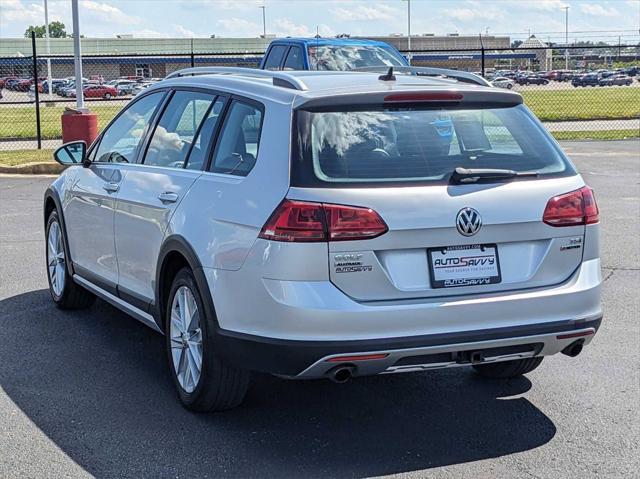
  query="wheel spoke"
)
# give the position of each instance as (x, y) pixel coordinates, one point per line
(60, 275)
(182, 365)
(194, 320)
(185, 309)
(196, 356)
(176, 320)
(189, 381)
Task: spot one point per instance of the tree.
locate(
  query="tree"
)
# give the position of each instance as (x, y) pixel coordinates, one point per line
(56, 30)
(516, 43)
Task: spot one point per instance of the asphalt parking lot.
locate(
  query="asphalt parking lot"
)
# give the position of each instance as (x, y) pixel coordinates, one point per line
(88, 393)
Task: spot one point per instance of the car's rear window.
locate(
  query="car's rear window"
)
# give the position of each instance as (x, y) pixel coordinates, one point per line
(414, 144)
(341, 58)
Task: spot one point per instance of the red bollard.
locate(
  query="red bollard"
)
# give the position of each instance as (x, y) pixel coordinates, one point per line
(78, 125)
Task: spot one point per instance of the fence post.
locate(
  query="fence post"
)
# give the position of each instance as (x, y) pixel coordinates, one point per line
(482, 55)
(193, 63)
(35, 87)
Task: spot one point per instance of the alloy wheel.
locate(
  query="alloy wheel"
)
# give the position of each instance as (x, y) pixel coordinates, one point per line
(186, 339)
(55, 259)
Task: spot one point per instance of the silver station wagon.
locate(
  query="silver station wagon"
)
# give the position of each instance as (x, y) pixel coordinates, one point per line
(328, 225)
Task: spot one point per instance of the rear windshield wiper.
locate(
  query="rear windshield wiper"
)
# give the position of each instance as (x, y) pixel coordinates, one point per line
(475, 175)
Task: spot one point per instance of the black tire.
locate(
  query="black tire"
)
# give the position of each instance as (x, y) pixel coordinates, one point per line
(107, 96)
(220, 386)
(72, 296)
(508, 369)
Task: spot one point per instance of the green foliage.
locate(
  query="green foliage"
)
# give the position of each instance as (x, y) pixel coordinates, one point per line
(56, 30)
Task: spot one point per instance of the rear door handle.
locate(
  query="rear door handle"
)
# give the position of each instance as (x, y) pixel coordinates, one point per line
(168, 197)
(111, 187)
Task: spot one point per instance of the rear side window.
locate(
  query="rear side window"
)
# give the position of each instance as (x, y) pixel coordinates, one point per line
(237, 147)
(294, 59)
(399, 145)
(274, 57)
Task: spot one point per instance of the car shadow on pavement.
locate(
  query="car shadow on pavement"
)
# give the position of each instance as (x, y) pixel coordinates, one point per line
(96, 383)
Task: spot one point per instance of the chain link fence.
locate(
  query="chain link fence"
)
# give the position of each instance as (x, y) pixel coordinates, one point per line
(578, 93)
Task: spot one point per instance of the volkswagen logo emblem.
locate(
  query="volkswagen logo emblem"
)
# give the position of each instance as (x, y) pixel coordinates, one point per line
(468, 221)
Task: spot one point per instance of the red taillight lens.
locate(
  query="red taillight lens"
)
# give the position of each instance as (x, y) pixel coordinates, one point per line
(302, 221)
(353, 223)
(296, 221)
(574, 208)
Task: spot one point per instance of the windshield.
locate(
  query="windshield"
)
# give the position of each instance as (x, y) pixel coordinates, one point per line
(419, 144)
(333, 57)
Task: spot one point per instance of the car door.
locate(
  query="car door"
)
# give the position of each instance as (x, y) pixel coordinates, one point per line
(90, 205)
(174, 158)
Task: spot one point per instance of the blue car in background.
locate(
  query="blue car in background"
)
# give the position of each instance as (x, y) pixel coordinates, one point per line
(329, 54)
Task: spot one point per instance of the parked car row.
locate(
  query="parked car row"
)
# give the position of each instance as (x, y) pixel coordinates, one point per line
(596, 79)
(93, 87)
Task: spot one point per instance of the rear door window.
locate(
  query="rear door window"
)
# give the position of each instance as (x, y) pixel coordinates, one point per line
(418, 144)
(274, 57)
(173, 136)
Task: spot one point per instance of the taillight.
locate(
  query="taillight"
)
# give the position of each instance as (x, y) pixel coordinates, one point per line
(303, 221)
(574, 208)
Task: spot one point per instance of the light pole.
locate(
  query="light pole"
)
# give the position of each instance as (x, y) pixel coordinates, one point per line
(46, 34)
(77, 55)
(264, 21)
(566, 37)
(409, 31)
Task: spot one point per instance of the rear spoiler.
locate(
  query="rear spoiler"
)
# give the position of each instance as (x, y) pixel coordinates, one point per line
(464, 77)
(441, 95)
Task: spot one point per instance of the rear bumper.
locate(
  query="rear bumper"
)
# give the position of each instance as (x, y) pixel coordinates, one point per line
(318, 311)
(313, 359)
(291, 328)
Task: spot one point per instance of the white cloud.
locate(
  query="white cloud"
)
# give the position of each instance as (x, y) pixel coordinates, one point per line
(238, 27)
(366, 13)
(241, 5)
(148, 33)
(469, 14)
(286, 27)
(108, 13)
(15, 11)
(598, 10)
(184, 32)
(546, 5)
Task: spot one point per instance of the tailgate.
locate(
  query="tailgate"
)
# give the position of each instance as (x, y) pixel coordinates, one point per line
(423, 220)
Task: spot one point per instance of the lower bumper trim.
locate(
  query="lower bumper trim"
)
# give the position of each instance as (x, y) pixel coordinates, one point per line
(291, 357)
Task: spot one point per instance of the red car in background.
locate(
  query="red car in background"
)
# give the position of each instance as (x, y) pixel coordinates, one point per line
(100, 91)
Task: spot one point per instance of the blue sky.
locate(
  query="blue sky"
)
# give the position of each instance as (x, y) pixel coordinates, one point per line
(243, 18)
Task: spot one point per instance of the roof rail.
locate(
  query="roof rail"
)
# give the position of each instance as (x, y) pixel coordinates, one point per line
(280, 79)
(464, 77)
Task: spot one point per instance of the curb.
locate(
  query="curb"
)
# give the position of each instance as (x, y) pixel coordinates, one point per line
(33, 169)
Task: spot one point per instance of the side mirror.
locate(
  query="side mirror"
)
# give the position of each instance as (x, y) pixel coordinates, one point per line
(72, 154)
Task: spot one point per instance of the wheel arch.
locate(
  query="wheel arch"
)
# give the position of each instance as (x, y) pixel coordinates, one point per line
(176, 252)
(52, 202)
